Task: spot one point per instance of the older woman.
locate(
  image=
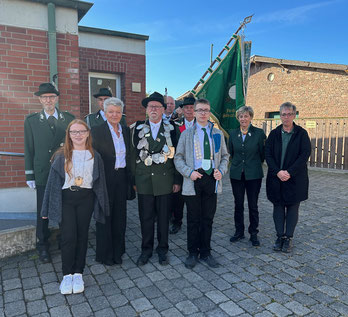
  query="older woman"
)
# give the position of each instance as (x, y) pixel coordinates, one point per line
(75, 189)
(111, 140)
(287, 151)
(246, 145)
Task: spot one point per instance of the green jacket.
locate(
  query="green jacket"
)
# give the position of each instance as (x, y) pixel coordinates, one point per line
(40, 143)
(95, 119)
(156, 179)
(247, 156)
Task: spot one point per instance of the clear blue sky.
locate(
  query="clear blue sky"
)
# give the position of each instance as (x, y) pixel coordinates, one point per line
(181, 33)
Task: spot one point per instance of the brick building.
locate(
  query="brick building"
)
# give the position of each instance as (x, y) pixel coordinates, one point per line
(41, 38)
(318, 90)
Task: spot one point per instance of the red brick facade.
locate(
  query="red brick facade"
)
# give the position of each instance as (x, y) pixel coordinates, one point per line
(131, 68)
(23, 66)
(317, 93)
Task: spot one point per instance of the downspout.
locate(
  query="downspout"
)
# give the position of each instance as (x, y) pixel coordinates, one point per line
(52, 43)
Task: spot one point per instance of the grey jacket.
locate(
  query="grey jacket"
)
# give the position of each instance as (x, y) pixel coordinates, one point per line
(52, 202)
(184, 157)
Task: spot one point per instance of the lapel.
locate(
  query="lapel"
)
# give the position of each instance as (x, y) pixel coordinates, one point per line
(44, 123)
(109, 143)
(60, 128)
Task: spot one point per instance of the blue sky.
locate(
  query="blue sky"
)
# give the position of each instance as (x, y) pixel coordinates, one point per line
(181, 33)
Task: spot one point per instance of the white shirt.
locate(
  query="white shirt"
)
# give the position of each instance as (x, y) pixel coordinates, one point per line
(198, 162)
(120, 147)
(82, 167)
(189, 124)
(155, 128)
(102, 113)
(54, 115)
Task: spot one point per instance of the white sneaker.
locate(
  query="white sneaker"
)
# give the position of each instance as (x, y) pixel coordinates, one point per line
(78, 284)
(66, 286)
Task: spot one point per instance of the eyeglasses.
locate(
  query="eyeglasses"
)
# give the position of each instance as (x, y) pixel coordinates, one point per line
(201, 111)
(45, 98)
(78, 132)
(286, 114)
(154, 107)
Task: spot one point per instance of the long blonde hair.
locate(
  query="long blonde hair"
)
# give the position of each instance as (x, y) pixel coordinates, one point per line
(68, 147)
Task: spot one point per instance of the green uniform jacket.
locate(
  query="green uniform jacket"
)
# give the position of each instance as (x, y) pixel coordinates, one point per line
(157, 179)
(95, 119)
(40, 143)
(247, 156)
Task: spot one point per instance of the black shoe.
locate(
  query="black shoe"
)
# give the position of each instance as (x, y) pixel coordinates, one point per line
(278, 244)
(210, 261)
(163, 259)
(191, 261)
(287, 245)
(254, 240)
(237, 237)
(44, 256)
(143, 259)
(108, 262)
(175, 228)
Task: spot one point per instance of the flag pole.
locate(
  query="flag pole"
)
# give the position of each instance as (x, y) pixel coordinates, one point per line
(218, 58)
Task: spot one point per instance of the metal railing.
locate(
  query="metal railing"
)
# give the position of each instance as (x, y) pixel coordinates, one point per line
(11, 154)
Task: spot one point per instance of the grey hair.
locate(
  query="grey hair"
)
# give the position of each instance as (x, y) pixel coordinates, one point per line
(287, 105)
(245, 109)
(113, 102)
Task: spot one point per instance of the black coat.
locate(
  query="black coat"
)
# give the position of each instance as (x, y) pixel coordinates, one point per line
(103, 143)
(297, 153)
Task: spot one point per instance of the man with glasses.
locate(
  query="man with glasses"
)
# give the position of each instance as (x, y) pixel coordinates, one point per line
(152, 151)
(202, 159)
(44, 133)
(98, 117)
(287, 150)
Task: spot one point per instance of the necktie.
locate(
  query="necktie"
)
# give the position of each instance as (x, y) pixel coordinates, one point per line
(52, 123)
(206, 148)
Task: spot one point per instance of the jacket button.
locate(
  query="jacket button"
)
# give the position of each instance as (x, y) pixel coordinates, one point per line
(49, 151)
(152, 174)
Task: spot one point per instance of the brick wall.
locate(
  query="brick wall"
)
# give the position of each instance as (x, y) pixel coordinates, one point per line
(131, 67)
(23, 66)
(317, 93)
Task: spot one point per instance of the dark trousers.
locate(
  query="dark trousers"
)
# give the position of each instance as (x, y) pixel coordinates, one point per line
(110, 237)
(150, 208)
(77, 209)
(42, 231)
(200, 214)
(285, 216)
(177, 207)
(252, 189)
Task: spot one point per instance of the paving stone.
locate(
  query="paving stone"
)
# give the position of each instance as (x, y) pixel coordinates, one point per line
(278, 309)
(60, 311)
(341, 308)
(81, 310)
(217, 312)
(13, 295)
(109, 289)
(97, 269)
(98, 303)
(126, 310)
(324, 311)
(141, 304)
(231, 308)
(285, 288)
(186, 307)
(125, 283)
(151, 292)
(51, 288)
(31, 282)
(142, 282)
(28, 272)
(192, 292)
(297, 308)
(55, 300)
(107, 312)
(171, 312)
(9, 274)
(76, 299)
(117, 300)
(329, 290)
(155, 276)
(132, 293)
(36, 307)
(93, 291)
(14, 309)
(48, 277)
(12, 284)
(217, 297)
(204, 304)
(250, 306)
(161, 303)
(150, 313)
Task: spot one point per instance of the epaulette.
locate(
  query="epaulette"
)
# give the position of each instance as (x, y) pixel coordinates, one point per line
(132, 125)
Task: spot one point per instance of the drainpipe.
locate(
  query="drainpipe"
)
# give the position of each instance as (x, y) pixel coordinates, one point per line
(52, 42)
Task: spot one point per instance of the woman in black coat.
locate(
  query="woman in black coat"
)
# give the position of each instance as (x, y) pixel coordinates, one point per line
(287, 150)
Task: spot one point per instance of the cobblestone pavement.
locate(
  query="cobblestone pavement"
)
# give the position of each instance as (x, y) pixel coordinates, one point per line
(312, 281)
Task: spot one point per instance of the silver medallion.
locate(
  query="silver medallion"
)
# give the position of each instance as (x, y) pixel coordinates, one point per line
(142, 155)
(166, 149)
(141, 143)
(147, 135)
(161, 158)
(146, 129)
(155, 158)
(141, 134)
(140, 126)
(148, 161)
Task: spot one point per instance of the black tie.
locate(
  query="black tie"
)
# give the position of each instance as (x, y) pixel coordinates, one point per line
(52, 123)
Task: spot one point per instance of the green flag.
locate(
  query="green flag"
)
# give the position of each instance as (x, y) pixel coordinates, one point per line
(224, 88)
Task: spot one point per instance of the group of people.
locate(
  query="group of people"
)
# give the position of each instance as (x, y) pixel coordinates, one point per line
(91, 167)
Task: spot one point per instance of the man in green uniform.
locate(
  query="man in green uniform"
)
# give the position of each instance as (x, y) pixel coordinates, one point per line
(98, 117)
(152, 151)
(44, 133)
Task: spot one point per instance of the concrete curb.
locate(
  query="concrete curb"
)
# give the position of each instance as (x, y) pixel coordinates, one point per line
(17, 240)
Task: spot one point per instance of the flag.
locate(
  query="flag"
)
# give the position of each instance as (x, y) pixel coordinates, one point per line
(224, 88)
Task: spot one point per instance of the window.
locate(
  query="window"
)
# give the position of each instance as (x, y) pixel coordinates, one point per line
(103, 80)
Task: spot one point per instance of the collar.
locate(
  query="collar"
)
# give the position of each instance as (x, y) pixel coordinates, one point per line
(189, 122)
(54, 115)
(155, 125)
(112, 129)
